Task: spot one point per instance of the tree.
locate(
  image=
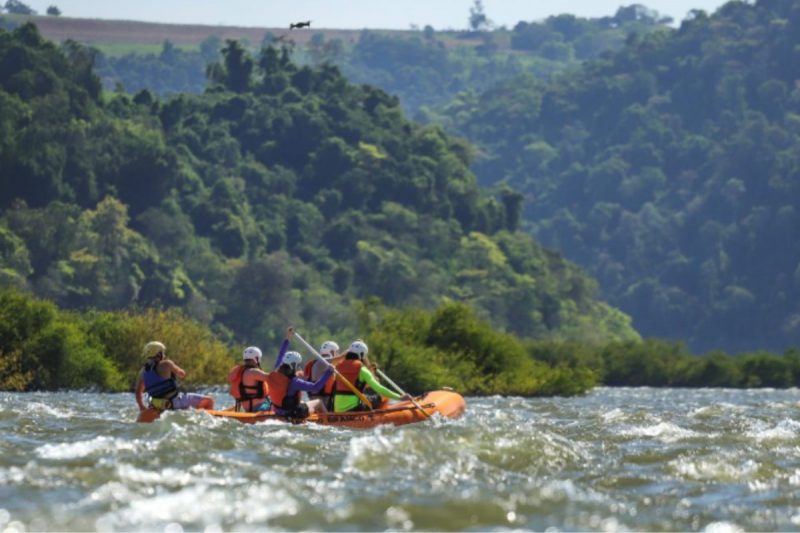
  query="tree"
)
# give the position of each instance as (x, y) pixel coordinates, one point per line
(54, 11)
(16, 7)
(478, 21)
(238, 66)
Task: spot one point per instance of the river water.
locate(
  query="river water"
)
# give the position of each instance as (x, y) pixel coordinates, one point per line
(615, 459)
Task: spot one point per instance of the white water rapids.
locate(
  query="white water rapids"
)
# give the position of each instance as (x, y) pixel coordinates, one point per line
(615, 459)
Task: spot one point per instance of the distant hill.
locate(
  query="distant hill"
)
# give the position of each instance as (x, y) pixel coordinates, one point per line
(670, 170)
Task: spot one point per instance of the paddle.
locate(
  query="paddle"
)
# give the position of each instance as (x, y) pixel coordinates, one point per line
(401, 391)
(350, 386)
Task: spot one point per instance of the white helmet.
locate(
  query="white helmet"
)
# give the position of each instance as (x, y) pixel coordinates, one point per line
(293, 359)
(153, 349)
(252, 352)
(328, 349)
(359, 347)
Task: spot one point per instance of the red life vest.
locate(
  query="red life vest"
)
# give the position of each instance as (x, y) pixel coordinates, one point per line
(278, 390)
(327, 390)
(240, 391)
(350, 369)
(307, 370)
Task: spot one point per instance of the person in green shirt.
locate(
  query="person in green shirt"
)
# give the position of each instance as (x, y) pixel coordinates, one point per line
(355, 370)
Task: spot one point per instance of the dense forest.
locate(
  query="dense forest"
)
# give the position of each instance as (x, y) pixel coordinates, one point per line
(670, 170)
(281, 195)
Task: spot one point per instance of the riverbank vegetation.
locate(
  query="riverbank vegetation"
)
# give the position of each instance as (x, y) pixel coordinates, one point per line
(662, 363)
(486, 360)
(45, 348)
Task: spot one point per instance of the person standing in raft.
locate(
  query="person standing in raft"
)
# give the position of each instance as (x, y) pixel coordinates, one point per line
(159, 379)
(286, 388)
(356, 372)
(315, 368)
(249, 383)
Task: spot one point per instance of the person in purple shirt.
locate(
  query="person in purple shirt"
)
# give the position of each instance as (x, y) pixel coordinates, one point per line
(286, 388)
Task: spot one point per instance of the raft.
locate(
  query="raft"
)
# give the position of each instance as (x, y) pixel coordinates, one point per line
(446, 403)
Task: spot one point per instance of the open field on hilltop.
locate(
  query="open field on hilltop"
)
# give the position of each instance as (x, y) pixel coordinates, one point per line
(118, 37)
(118, 31)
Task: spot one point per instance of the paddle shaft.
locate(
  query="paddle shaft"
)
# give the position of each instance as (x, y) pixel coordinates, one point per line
(350, 386)
(398, 389)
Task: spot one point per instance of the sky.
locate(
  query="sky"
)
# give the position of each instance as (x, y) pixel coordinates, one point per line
(354, 14)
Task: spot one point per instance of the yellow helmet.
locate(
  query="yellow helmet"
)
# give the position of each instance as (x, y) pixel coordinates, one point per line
(153, 348)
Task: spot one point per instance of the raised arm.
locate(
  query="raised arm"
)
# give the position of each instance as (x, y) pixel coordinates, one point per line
(284, 348)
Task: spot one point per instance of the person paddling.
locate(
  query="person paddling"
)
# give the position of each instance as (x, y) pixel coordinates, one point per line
(158, 378)
(356, 372)
(315, 368)
(286, 388)
(249, 383)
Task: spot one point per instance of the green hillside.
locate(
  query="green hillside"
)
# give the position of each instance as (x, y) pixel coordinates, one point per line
(669, 170)
(281, 195)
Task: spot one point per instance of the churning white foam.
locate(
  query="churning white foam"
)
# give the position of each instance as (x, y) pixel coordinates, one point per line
(663, 431)
(85, 448)
(786, 429)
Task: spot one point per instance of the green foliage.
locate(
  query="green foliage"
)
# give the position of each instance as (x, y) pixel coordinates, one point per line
(12, 375)
(190, 344)
(15, 265)
(45, 349)
(668, 169)
(280, 195)
(657, 363)
(42, 347)
(452, 347)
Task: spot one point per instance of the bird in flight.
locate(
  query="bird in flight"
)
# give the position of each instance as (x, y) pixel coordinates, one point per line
(306, 24)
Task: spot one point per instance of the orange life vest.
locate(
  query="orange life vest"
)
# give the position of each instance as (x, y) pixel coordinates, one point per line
(278, 390)
(349, 368)
(240, 391)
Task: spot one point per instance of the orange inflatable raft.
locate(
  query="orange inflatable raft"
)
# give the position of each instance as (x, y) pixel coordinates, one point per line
(448, 404)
